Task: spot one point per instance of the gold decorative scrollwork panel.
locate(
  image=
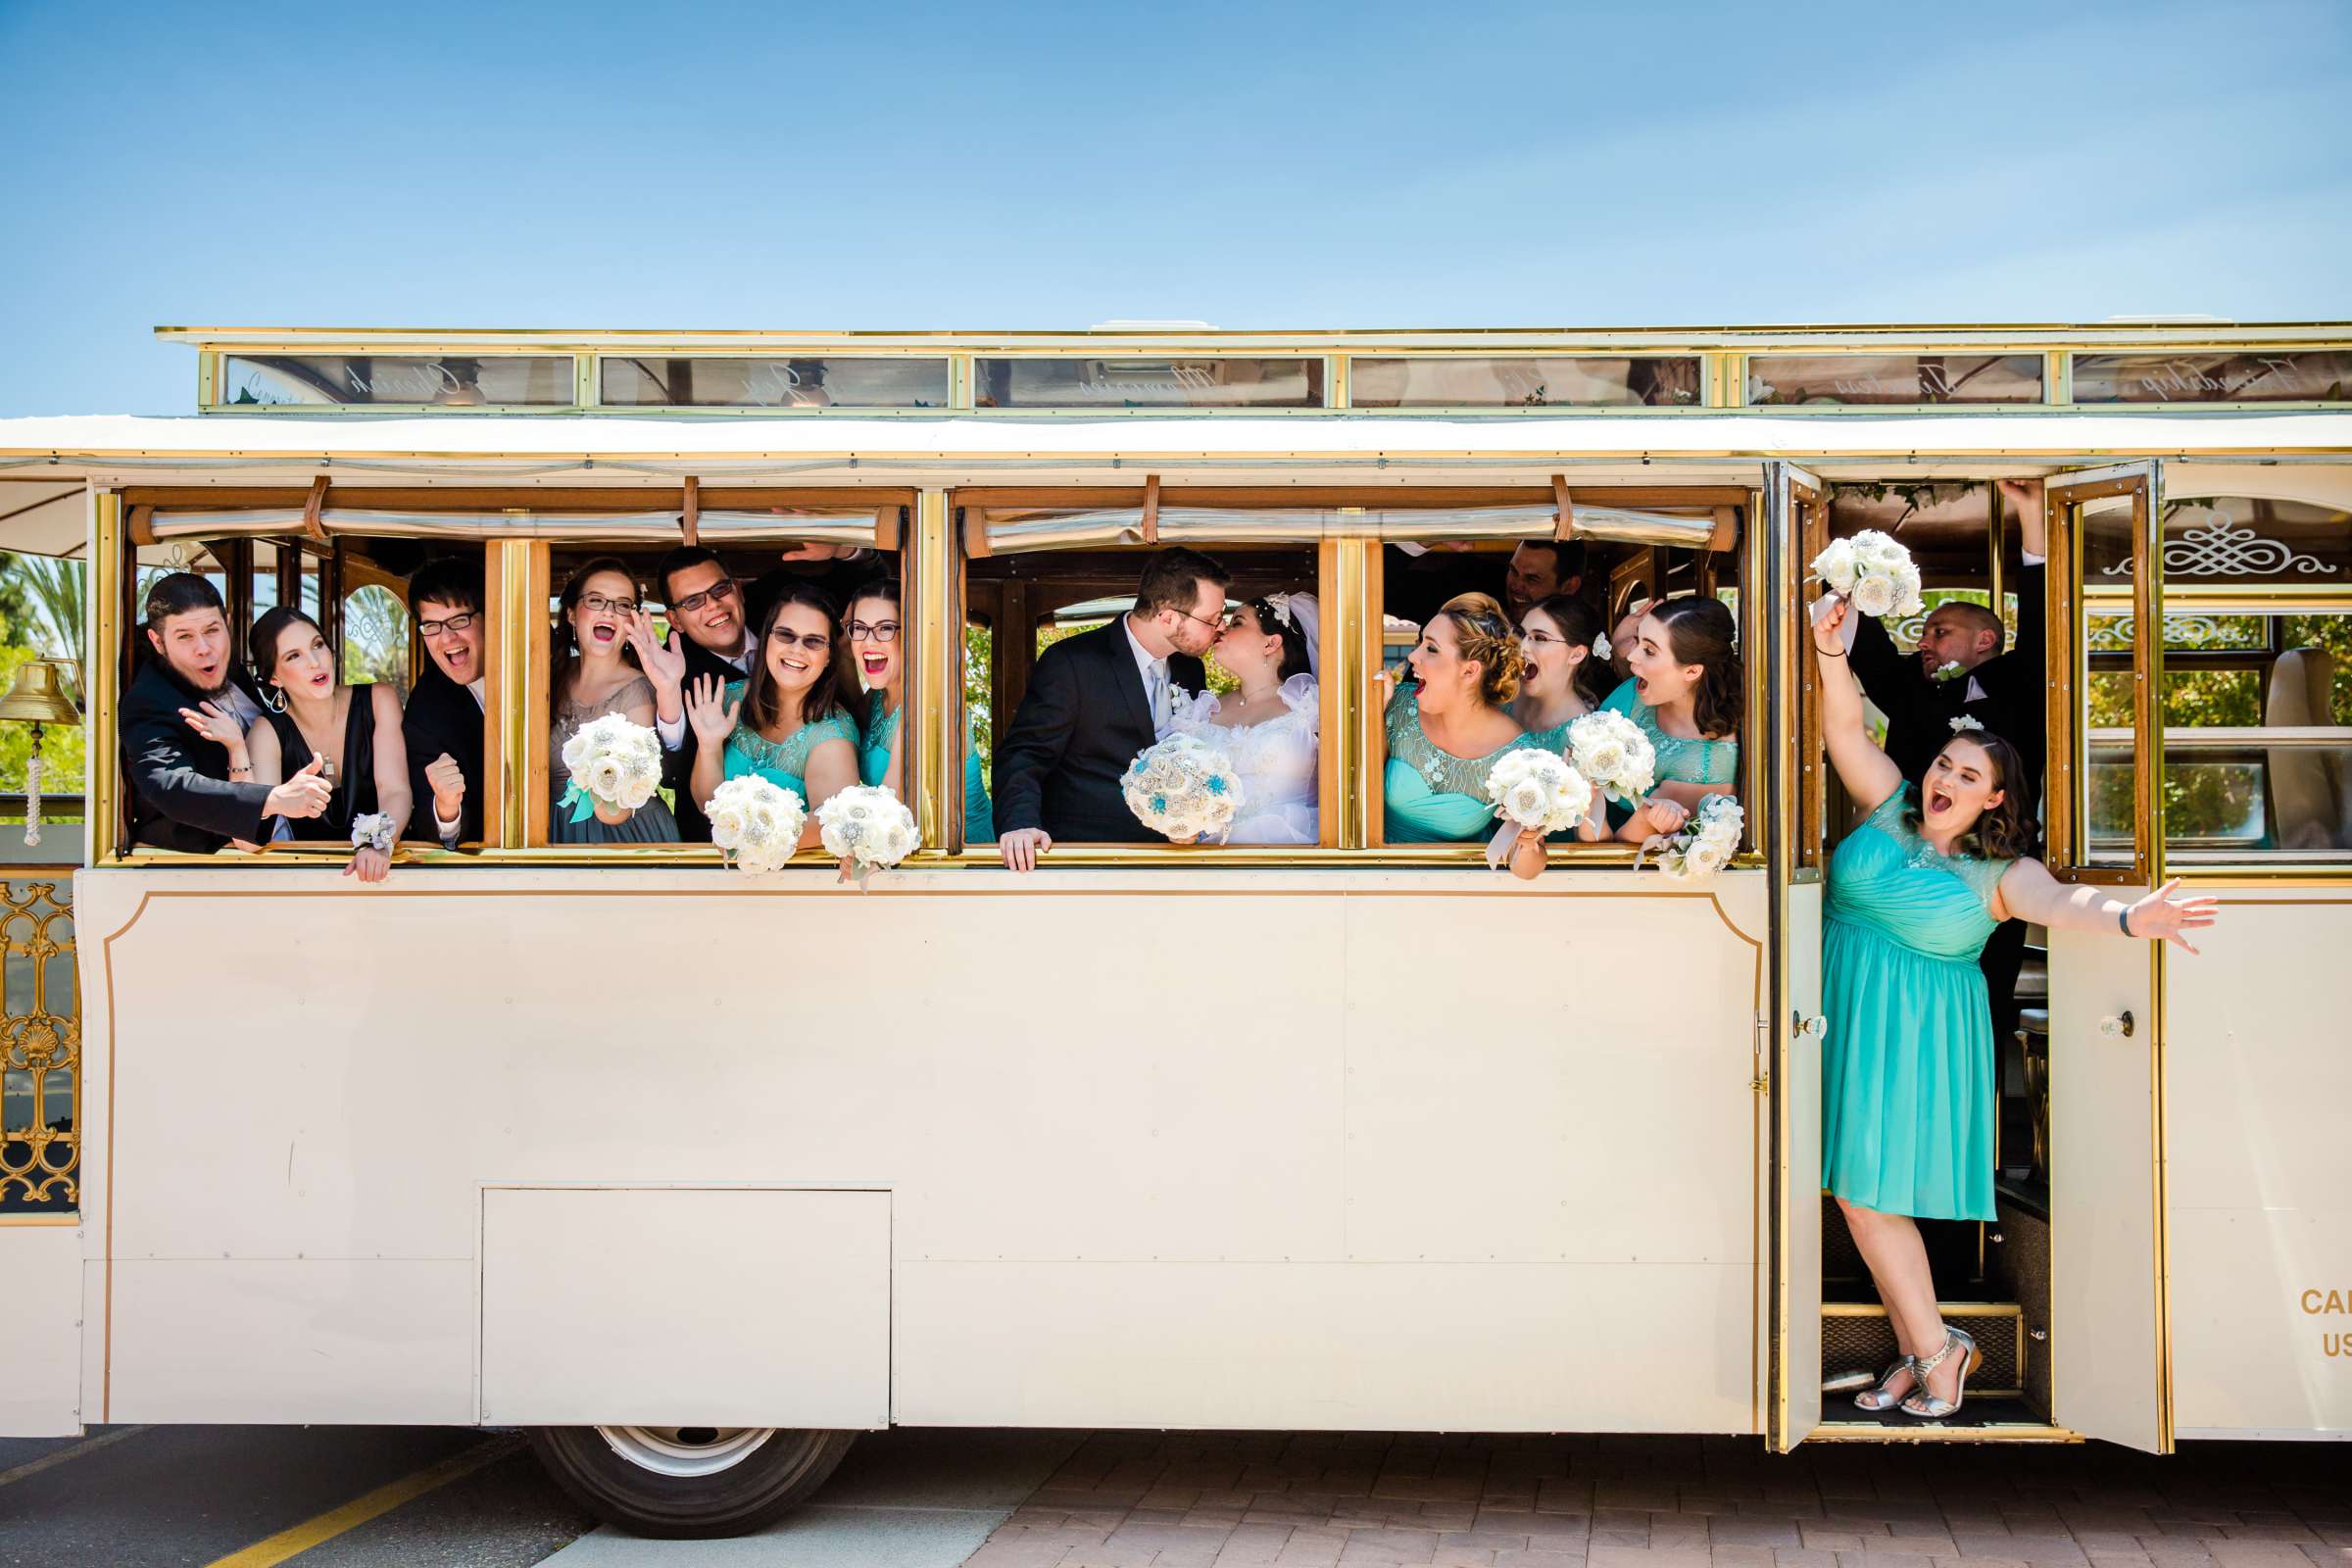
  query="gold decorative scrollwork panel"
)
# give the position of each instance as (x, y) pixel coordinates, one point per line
(40, 1052)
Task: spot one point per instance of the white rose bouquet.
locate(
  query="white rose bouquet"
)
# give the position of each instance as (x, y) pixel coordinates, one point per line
(1874, 571)
(1183, 788)
(755, 824)
(615, 766)
(867, 826)
(1610, 749)
(1706, 843)
(1534, 791)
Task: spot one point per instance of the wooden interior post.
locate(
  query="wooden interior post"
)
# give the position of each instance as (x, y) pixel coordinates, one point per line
(975, 533)
(889, 532)
(314, 525)
(1727, 530)
(1563, 527)
(1151, 509)
(690, 517)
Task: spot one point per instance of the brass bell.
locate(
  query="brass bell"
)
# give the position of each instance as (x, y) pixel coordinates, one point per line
(38, 696)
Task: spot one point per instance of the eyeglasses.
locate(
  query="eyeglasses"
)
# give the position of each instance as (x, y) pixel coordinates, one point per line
(434, 629)
(1537, 639)
(598, 604)
(1223, 618)
(815, 642)
(879, 631)
(710, 595)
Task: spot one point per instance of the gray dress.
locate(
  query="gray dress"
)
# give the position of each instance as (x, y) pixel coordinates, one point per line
(650, 823)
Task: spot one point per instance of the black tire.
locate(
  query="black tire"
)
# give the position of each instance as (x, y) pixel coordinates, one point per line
(762, 1486)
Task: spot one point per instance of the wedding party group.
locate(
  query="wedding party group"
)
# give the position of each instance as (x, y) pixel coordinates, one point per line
(792, 681)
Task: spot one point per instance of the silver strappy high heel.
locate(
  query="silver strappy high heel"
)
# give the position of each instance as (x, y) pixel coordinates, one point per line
(1877, 1396)
(1929, 1406)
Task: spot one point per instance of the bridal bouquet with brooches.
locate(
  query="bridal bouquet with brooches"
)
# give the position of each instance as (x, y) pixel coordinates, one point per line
(1184, 789)
(1872, 570)
(616, 767)
(1614, 756)
(1536, 792)
(1706, 843)
(755, 824)
(869, 828)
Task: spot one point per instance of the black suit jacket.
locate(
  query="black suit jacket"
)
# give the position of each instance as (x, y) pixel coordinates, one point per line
(1919, 710)
(678, 767)
(443, 716)
(1080, 724)
(181, 794)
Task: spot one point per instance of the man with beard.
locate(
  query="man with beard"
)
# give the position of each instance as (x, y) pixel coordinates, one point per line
(707, 604)
(184, 793)
(1420, 579)
(1097, 698)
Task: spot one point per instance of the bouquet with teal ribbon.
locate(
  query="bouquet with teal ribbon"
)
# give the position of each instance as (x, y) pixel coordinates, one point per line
(613, 763)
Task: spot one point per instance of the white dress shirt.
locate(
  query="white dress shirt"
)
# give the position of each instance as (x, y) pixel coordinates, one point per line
(674, 730)
(1153, 667)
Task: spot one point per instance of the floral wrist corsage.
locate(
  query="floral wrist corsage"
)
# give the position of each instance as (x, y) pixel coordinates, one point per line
(375, 831)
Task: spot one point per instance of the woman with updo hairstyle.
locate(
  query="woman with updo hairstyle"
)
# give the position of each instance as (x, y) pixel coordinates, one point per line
(1449, 724)
(1909, 1112)
(1683, 687)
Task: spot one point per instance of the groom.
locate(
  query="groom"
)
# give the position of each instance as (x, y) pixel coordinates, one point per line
(1094, 701)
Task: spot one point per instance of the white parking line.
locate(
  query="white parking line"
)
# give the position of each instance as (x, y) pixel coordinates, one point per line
(50, 1461)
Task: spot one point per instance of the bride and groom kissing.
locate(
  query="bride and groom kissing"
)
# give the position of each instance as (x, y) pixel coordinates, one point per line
(1097, 698)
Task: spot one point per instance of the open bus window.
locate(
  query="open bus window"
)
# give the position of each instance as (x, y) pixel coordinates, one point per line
(1070, 618)
(738, 656)
(1498, 634)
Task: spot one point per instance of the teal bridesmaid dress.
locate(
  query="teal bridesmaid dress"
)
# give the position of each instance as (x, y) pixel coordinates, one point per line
(1430, 796)
(1680, 759)
(1909, 1113)
(784, 762)
(873, 763)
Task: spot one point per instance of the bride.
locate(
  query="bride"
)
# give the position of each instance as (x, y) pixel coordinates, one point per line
(1269, 727)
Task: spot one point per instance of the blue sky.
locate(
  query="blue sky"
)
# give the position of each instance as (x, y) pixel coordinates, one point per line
(1052, 166)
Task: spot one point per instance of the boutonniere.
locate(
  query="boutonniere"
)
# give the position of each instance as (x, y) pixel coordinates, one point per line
(1951, 669)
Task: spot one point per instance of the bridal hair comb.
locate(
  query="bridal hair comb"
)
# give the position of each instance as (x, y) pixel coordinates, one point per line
(1600, 645)
(1280, 604)
(1963, 724)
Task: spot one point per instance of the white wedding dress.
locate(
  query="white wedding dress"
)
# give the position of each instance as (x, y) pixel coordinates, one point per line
(1275, 761)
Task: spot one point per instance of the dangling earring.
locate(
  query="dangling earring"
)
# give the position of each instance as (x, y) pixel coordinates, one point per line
(268, 691)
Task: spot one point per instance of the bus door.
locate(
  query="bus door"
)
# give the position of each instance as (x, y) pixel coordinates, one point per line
(1789, 1033)
(2103, 810)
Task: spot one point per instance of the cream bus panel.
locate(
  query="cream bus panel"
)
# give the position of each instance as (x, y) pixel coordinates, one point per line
(2258, 1086)
(40, 1344)
(1146, 1089)
(692, 1306)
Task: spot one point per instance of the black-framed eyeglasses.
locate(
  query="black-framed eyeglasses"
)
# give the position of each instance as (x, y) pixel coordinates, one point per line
(873, 631)
(816, 642)
(1217, 624)
(598, 604)
(694, 601)
(434, 629)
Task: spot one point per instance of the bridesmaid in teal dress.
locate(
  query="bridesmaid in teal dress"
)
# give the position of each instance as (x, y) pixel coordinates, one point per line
(872, 629)
(786, 723)
(1565, 655)
(1684, 688)
(1449, 724)
(1907, 1062)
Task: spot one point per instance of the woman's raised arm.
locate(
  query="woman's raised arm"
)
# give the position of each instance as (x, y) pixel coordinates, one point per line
(2027, 892)
(1869, 774)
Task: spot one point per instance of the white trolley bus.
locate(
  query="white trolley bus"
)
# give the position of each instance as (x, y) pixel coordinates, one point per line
(697, 1174)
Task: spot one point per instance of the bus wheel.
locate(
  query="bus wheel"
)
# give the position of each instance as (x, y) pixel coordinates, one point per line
(689, 1483)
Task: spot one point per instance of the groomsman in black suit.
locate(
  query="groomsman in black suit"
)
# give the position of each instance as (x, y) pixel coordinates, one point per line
(1097, 698)
(705, 604)
(1962, 671)
(443, 722)
(185, 792)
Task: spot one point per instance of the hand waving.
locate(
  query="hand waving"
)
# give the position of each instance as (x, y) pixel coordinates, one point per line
(2161, 915)
(215, 725)
(664, 662)
(712, 718)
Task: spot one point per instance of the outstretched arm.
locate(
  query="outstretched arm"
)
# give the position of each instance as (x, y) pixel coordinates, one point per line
(2027, 892)
(1869, 774)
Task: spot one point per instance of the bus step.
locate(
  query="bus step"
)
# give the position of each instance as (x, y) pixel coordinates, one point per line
(1856, 1337)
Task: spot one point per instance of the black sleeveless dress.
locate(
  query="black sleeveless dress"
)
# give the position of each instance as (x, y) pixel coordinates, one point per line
(355, 790)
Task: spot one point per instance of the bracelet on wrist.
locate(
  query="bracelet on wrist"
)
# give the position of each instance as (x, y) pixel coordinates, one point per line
(1825, 653)
(2123, 918)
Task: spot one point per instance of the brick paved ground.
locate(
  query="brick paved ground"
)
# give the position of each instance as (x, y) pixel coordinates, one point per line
(1197, 1499)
